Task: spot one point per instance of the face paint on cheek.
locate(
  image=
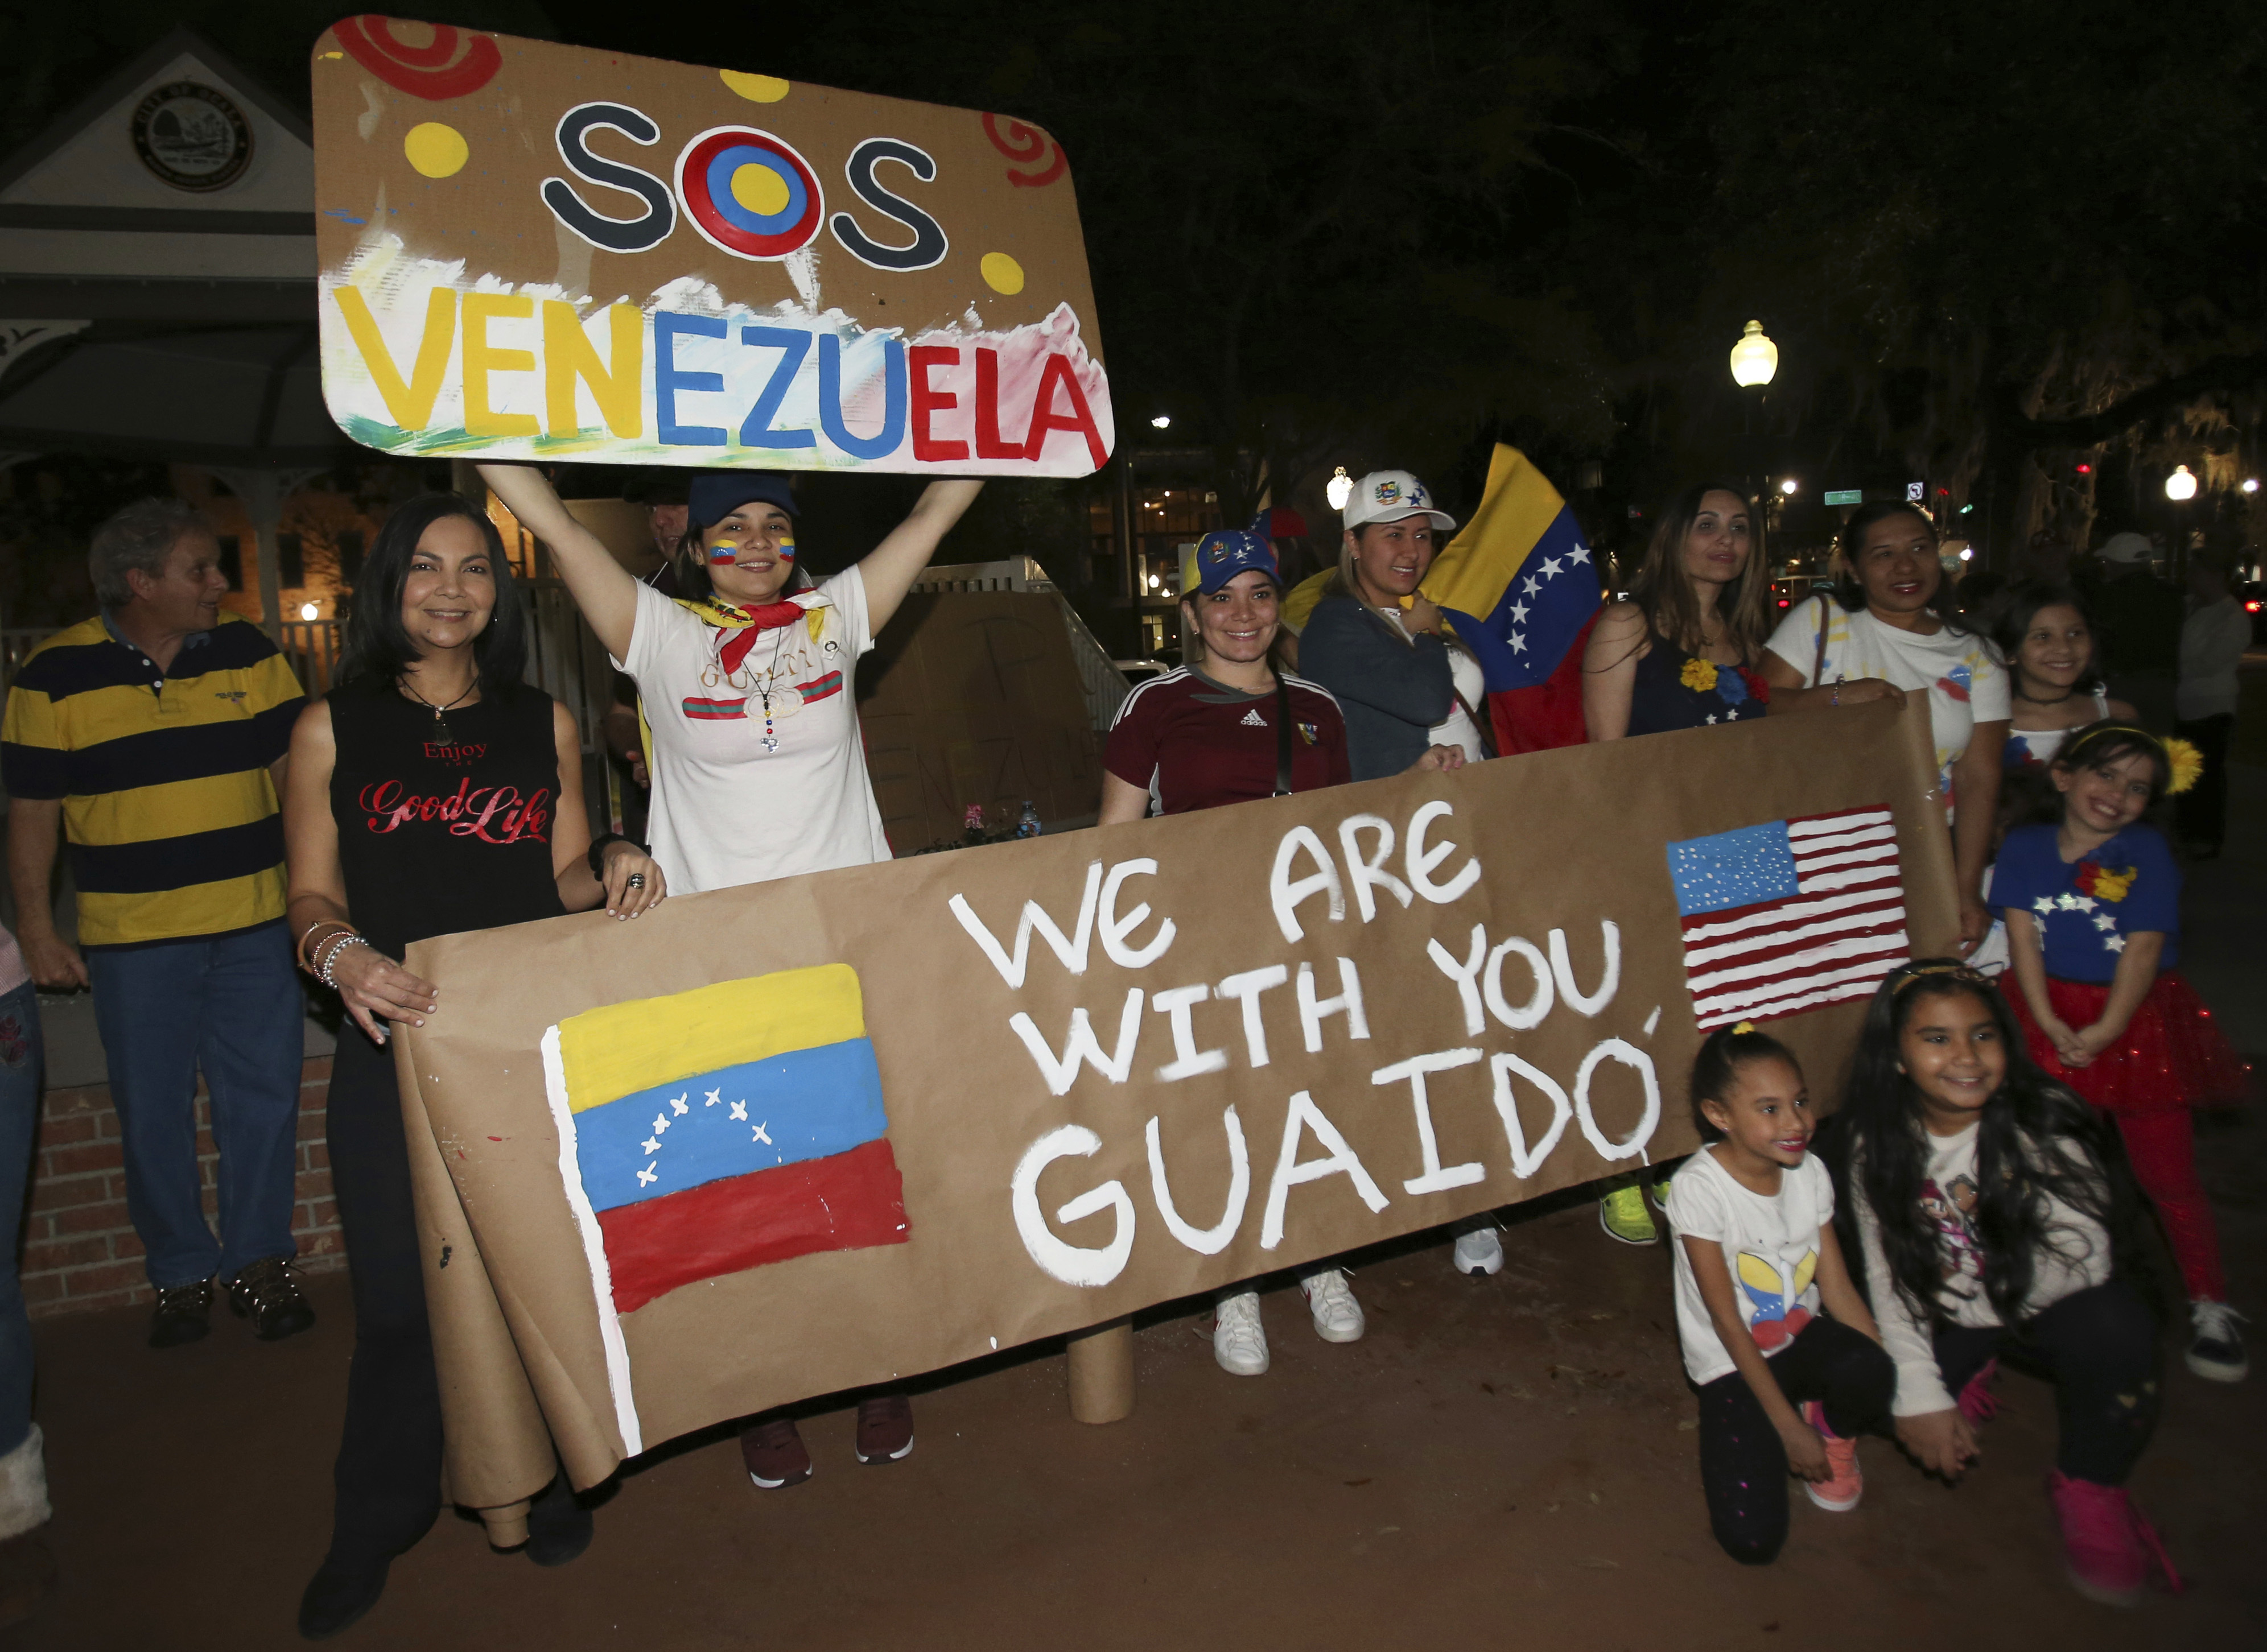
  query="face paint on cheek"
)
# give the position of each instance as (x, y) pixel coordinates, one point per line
(787, 550)
(724, 552)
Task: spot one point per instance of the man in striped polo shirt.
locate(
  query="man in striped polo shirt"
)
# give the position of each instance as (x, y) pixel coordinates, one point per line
(154, 734)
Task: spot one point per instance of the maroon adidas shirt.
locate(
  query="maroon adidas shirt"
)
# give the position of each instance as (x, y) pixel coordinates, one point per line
(1199, 745)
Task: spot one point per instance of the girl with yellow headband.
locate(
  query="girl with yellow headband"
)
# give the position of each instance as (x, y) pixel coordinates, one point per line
(2092, 901)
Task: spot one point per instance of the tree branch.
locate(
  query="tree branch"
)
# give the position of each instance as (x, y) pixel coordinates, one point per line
(2221, 372)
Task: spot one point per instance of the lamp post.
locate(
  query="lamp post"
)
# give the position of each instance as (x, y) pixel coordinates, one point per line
(1338, 489)
(2179, 487)
(1755, 362)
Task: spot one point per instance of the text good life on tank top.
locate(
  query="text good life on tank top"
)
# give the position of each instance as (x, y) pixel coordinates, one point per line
(437, 836)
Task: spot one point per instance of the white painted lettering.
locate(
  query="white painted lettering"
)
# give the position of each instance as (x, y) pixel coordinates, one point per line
(1610, 977)
(1079, 1047)
(1116, 929)
(1247, 988)
(1525, 1162)
(1348, 1003)
(1071, 950)
(1073, 1264)
(1364, 871)
(1436, 1178)
(1304, 1115)
(1422, 859)
(1530, 1013)
(1629, 1056)
(1466, 976)
(1286, 895)
(1188, 1061)
(1204, 1241)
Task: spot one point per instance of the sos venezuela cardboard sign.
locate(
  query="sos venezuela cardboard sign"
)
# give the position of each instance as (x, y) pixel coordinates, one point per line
(535, 252)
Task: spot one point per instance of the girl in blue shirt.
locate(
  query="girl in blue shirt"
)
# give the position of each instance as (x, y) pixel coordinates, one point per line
(2092, 902)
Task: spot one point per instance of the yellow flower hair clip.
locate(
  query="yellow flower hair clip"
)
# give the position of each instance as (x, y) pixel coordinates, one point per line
(1698, 675)
(1743, 1027)
(2186, 764)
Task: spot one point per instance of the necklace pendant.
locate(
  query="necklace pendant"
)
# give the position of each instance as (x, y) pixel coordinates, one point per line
(441, 731)
(771, 743)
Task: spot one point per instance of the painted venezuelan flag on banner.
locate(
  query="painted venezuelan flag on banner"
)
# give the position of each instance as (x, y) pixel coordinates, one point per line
(719, 1130)
(1519, 585)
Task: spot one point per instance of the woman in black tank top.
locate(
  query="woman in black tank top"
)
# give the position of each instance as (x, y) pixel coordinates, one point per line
(430, 793)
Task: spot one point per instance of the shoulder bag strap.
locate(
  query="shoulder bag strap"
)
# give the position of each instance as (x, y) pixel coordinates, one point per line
(1825, 618)
(1282, 737)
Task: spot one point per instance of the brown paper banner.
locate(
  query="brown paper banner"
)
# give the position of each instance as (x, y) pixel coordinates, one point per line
(971, 1099)
(535, 252)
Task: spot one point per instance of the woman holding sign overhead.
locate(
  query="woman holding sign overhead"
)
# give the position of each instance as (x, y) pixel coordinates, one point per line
(1227, 732)
(746, 679)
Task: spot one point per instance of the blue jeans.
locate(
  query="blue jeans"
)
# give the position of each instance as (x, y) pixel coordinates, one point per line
(20, 1122)
(230, 1007)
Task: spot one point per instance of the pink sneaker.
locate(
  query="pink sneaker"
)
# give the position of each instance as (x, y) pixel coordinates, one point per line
(1840, 1493)
(2108, 1548)
(1978, 1403)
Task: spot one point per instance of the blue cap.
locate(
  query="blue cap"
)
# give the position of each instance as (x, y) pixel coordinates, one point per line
(716, 494)
(1226, 552)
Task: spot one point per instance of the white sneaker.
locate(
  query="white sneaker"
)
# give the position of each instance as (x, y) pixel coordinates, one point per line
(1478, 1252)
(1338, 1316)
(1238, 1340)
(2216, 1344)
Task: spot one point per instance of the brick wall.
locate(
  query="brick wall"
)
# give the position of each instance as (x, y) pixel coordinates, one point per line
(80, 1252)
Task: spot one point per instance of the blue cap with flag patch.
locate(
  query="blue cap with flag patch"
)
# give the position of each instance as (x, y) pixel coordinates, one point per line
(716, 494)
(1226, 552)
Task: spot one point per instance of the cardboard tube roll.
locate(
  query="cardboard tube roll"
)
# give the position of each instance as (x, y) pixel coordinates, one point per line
(507, 1524)
(1102, 1372)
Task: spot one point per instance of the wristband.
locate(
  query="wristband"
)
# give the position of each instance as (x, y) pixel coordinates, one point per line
(597, 856)
(306, 960)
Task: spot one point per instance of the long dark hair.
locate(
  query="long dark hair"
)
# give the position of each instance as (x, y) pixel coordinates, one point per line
(2019, 605)
(2036, 1139)
(1662, 591)
(1716, 1069)
(1849, 591)
(377, 646)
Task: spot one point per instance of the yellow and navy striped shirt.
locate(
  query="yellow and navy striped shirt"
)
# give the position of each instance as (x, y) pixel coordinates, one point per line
(168, 805)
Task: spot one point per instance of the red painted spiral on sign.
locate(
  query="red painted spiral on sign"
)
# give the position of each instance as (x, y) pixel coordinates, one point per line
(434, 71)
(1025, 145)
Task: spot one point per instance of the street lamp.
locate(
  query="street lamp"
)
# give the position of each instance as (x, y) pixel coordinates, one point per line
(1789, 486)
(1163, 421)
(2180, 486)
(2251, 484)
(308, 610)
(1754, 358)
(1338, 489)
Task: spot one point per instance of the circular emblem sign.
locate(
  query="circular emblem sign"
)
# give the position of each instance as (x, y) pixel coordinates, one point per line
(192, 138)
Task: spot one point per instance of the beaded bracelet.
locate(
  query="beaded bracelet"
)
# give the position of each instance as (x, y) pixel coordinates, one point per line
(330, 957)
(306, 960)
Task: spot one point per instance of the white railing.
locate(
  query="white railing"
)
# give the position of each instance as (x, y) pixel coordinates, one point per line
(1104, 684)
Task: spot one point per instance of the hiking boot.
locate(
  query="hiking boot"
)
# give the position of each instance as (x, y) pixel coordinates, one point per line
(1478, 1253)
(265, 1294)
(1976, 1403)
(885, 1428)
(2216, 1342)
(1624, 1216)
(772, 1453)
(1238, 1340)
(2108, 1548)
(183, 1314)
(1330, 1300)
(1840, 1491)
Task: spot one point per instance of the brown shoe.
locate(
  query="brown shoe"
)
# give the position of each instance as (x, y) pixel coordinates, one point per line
(885, 1428)
(265, 1294)
(772, 1452)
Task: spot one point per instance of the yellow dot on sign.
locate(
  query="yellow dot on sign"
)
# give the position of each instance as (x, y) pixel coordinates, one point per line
(759, 189)
(754, 88)
(436, 150)
(1001, 274)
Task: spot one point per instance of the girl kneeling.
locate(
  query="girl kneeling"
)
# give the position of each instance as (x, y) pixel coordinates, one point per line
(1756, 1256)
(1995, 1214)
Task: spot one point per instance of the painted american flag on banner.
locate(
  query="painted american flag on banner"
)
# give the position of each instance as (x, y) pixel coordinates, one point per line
(1790, 915)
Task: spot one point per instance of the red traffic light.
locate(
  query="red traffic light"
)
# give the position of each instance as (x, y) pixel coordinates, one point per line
(2086, 469)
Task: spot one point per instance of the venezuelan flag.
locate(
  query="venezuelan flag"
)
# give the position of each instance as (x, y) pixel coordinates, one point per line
(717, 1130)
(1520, 586)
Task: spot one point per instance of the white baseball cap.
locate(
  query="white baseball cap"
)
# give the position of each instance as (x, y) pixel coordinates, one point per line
(2126, 547)
(1389, 496)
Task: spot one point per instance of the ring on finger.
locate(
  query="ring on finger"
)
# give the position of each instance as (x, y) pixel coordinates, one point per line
(636, 881)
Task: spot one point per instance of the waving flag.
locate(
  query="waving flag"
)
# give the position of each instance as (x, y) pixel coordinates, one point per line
(1788, 916)
(721, 1130)
(1520, 586)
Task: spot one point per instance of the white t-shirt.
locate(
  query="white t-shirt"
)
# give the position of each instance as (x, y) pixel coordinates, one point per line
(725, 809)
(2075, 1258)
(1966, 683)
(1457, 729)
(1771, 1249)
(2212, 642)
